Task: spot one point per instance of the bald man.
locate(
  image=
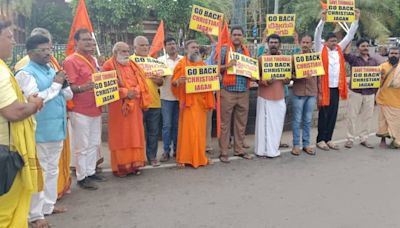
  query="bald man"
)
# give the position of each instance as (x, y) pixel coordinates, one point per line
(152, 116)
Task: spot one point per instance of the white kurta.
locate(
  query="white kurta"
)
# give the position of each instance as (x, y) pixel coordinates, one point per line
(269, 126)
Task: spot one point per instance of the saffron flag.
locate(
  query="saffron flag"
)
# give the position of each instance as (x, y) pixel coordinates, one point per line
(158, 41)
(81, 20)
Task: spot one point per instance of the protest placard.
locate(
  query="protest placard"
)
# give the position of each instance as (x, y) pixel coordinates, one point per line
(281, 24)
(202, 79)
(309, 64)
(205, 20)
(245, 66)
(278, 67)
(152, 66)
(365, 77)
(105, 87)
(340, 11)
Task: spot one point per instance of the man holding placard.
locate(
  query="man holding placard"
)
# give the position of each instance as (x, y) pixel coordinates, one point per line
(333, 83)
(305, 92)
(235, 96)
(126, 138)
(388, 99)
(152, 116)
(193, 105)
(361, 95)
(85, 116)
(275, 72)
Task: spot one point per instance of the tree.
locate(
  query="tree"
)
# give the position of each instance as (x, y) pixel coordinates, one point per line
(23, 7)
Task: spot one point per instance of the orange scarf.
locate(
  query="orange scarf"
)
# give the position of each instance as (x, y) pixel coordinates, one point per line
(187, 99)
(145, 97)
(325, 78)
(230, 79)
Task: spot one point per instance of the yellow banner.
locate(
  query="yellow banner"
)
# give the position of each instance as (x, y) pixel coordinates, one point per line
(245, 66)
(308, 65)
(340, 11)
(365, 77)
(105, 87)
(152, 66)
(278, 67)
(281, 24)
(202, 79)
(205, 20)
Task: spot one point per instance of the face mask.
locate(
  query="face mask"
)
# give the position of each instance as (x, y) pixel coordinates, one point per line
(393, 60)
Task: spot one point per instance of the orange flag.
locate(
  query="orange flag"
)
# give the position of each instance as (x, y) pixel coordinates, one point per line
(158, 41)
(324, 6)
(223, 40)
(81, 20)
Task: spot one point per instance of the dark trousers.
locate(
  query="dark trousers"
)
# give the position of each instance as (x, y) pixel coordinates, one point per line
(151, 119)
(327, 117)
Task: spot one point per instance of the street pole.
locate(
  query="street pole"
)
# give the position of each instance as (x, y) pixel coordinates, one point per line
(276, 7)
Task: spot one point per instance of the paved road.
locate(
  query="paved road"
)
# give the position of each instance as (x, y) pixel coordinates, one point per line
(344, 189)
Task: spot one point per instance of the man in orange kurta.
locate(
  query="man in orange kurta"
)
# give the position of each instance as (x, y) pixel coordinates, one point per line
(125, 118)
(191, 147)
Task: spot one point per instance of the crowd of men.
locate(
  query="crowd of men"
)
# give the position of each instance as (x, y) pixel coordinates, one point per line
(34, 117)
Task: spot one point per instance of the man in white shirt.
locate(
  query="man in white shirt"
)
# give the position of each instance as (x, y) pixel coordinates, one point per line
(333, 83)
(38, 78)
(169, 103)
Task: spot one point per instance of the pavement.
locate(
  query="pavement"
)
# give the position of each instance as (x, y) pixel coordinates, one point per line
(349, 188)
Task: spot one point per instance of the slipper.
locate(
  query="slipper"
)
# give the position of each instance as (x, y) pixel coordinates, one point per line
(322, 145)
(309, 151)
(224, 158)
(283, 145)
(59, 210)
(244, 156)
(261, 156)
(332, 145)
(367, 145)
(180, 165)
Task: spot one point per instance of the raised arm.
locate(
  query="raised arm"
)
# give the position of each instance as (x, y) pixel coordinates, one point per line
(352, 31)
(318, 32)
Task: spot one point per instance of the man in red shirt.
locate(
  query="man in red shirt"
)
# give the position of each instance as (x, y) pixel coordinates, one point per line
(85, 116)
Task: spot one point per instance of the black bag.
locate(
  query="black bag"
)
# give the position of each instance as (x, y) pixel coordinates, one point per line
(10, 163)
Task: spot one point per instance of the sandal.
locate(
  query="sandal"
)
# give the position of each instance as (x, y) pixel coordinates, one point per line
(180, 165)
(332, 145)
(295, 151)
(224, 158)
(283, 145)
(309, 151)
(367, 145)
(244, 156)
(348, 144)
(322, 145)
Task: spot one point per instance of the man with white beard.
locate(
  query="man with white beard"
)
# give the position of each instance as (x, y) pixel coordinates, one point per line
(125, 117)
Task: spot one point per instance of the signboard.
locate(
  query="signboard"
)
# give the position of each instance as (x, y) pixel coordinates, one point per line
(308, 65)
(105, 87)
(152, 66)
(202, 79)
(340, 11)
(245, 66)
(205, 20)
(365, 77)
(281, 24)
(278, 67)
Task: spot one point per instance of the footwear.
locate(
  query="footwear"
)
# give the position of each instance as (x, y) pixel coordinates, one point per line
(155, 163)
(348, 144)
(87, 184)
(283, 145)
(367, 145)
(394, 145)
(164, 157)
(224, 158)
(296, 151)
(244, 155)
(97, 178)
(385, 135)
(332, 145)
(308, 150)
(322, 145)
(40, 223)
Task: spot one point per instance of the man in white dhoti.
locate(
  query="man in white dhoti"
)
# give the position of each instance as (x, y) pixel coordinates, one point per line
(38, 78)
(271, 109)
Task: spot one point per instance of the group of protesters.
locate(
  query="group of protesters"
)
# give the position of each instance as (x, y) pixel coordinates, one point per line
(48, 113)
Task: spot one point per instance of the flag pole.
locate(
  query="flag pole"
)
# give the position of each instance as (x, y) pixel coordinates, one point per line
(97, 45)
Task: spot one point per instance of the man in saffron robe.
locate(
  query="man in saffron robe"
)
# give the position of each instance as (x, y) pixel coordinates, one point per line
(17, 129)
(193, 112)
(388, 98)
(125, 117)
(333, 83)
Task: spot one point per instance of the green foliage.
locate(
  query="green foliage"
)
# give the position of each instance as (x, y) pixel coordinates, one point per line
(53, 17)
